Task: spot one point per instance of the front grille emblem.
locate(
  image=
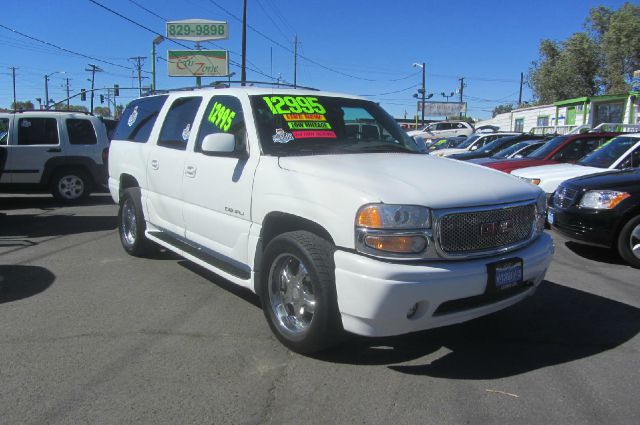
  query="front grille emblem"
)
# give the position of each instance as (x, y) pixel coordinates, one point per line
(496, 228)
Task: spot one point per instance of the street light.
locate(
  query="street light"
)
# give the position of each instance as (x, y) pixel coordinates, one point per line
(229, 75)
(159, 39)
(447, 96)
(46, 87)
(415, 64)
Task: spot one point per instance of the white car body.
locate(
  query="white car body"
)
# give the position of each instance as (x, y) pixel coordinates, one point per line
(443, 129)
(211, 203)
(552, 175)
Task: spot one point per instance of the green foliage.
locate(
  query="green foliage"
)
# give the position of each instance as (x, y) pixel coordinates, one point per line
(63, 107)
(586, 64)
(501, 109)
(22, 105)
(103, 111)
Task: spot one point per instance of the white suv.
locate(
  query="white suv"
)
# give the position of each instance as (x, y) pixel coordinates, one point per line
(65, 152)
(316, 202)
(443, 129)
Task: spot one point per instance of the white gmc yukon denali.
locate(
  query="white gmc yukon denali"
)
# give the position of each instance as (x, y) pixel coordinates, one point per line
(320, 204)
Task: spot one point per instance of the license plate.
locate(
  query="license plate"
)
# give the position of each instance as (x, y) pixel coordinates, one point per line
(505, 274)
(550, 216)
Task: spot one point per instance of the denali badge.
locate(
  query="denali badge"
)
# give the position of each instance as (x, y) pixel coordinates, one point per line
(496, 228)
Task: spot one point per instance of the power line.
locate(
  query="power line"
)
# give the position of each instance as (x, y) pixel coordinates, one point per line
(391, 92)
(150, 11)
(62, 48)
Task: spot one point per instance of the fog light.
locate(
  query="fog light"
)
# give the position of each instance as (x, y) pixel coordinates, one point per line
(412, 311)
(397, 244)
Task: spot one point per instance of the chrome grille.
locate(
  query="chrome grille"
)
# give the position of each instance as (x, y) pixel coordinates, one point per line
(462, 232)
(564, 197)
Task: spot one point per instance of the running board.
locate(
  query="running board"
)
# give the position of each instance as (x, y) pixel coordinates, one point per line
(202, 254)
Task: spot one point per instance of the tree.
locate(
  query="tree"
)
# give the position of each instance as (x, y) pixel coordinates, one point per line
(22, 105)
(119, 110)
(77, 108)
(618, 35)
(103, 111)
(565, 69)
(501, 109)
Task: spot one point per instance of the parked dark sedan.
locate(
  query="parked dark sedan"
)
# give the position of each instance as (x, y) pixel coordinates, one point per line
(601, 209)
(519, 150)
(494, 147)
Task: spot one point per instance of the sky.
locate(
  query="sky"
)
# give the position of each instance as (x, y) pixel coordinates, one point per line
(357, 47)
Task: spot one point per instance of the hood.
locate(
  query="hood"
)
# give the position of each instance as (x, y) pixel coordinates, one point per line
(556, 171)
(448, 151)
(484, 161)
(398, 178)
(627, 180)
(508, 165)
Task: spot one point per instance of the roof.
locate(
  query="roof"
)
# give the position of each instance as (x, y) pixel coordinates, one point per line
(603, 98)
(255, 91)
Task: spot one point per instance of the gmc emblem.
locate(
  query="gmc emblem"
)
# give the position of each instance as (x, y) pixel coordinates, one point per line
(496, 228)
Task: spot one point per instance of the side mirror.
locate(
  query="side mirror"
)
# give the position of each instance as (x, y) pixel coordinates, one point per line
(218, 143)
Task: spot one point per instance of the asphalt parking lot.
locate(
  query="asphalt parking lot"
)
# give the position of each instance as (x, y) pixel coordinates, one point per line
(89, 334)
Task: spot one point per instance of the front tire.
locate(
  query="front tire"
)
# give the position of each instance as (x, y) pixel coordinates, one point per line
(629, 242)
(298, 293)
(131, 224)
(71, 185)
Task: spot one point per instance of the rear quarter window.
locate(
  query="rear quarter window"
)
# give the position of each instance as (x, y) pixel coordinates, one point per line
(138, 119)
(81, 132)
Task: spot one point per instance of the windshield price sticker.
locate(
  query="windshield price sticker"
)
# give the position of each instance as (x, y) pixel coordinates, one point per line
(314, 134)
(304, 117)
(309, 125)
(221, 116)
(280, 105)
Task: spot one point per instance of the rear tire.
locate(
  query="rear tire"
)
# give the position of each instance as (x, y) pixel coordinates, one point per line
(629, 242)
(131, 224)
(298, 293)
(71, 185)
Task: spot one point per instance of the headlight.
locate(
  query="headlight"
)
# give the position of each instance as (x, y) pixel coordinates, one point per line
(395, 231)
(602, 199)
(382, 216)
(541, 212)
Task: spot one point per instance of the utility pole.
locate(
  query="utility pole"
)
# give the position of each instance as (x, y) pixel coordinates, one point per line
(520, 95)
(138, 63)
(424, 90)
(93, 69)
(68, 95)
(13, 75)
(159, 39)
(295, 61)
(243, 73)
(461, 79)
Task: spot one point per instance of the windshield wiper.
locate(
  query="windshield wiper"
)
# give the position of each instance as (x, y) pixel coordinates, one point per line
(383, 147)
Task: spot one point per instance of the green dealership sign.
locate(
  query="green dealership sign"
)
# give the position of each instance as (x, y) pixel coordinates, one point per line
(197, 30)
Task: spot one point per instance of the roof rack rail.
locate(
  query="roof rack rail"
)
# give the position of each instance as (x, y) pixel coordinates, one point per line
(227, 84)
(19, 111)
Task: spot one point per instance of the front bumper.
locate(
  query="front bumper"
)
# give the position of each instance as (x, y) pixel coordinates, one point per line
(593, 227)
(374, 296)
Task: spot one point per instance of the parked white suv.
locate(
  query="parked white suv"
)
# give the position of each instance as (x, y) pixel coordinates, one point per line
(64, 152)
(285, 193)
(442, 129)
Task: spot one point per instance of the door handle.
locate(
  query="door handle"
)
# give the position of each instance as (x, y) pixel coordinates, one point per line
(190, 171)
(155, 164)
(54, 150)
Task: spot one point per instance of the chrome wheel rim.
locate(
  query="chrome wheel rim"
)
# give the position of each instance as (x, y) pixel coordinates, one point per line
(291, 295)
(71, 187)
(634, 241)
(128, 227)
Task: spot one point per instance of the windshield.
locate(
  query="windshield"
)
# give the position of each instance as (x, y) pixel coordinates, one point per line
(495, 145)
(610, 152)
(468, 142)
(511, 149)
(545, 150)
(303, 125)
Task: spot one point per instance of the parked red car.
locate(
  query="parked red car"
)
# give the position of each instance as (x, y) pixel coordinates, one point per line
(559, 149)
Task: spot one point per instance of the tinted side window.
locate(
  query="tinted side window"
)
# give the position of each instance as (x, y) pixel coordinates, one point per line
(4, 131)
(577, 149)
(223, 115)
(37, 131)
(138, 119)
(176, 127)
(81, 132)
(631, 161)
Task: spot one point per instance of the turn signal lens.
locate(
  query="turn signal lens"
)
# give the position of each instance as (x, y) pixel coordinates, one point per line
(384, 216)
(369, 217)
(397, 244)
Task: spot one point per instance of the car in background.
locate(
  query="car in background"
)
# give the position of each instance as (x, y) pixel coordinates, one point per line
(519, 150)
(601, 210)
(443, 129)
(560, 149)
(473, 142)
(494, 147)
(619, 153)
(446, 143)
